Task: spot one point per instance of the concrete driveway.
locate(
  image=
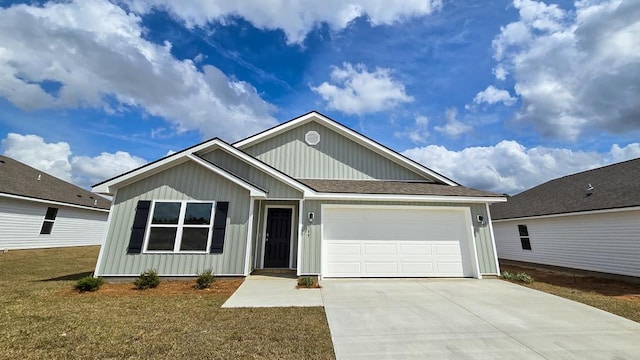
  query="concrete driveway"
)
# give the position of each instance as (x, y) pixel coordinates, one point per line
(468, 319)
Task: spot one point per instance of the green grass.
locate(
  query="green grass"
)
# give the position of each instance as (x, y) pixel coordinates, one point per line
(43, 319)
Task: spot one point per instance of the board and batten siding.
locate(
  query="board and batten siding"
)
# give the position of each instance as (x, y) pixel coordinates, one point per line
(21, 221)
(311, 234)
(605, 242)
(275, 188)
(187, 181)
(335, 157)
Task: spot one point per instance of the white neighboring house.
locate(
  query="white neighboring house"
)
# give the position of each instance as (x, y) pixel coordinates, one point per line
(588, 221)
(38, 210)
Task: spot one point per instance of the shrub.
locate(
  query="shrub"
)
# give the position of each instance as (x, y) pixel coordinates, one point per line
(205, 279)
(519, 277)
(89, 283)
(305, 281)
(147, 280)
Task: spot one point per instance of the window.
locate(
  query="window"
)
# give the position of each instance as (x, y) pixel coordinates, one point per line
(525, 242)
(49, 219)
(180, 226)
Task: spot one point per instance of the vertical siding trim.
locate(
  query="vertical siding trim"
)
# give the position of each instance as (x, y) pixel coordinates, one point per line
(247, 255)
(96, 272)
(493, 240)
(301, 218)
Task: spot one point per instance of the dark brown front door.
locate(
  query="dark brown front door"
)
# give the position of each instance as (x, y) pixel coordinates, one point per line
(278, 238)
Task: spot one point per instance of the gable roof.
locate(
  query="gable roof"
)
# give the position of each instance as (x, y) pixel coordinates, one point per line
(352, 135)
(23, 181)
(614, 186)
(108, 186)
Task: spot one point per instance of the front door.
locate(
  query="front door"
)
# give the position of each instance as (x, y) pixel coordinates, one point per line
(277, 240)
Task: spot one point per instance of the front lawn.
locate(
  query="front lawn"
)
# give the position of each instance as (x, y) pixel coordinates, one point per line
(42, 318)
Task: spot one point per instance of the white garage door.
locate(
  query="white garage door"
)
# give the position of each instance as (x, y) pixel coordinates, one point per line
(395, 242)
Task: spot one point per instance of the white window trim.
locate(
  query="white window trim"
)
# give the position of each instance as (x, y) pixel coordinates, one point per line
(180, 226)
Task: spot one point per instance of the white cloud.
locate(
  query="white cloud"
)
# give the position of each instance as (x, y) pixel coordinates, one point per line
(418, 133)
(91, 53)
(52, 158)
(55, 159)
(453, 127)
(91, 170)
(575, 71)
(295, 18)
(492, 95)
(509, 167)
(355, 90)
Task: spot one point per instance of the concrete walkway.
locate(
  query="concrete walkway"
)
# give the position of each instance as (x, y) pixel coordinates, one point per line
(468, 319)
(272, 291)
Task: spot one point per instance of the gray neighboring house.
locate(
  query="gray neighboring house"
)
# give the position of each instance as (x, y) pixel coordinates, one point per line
(310, 195)
(589, 221)
(38, 210)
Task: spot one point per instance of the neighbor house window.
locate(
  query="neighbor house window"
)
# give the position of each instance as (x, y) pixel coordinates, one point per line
(524, 237)
(180, 226)
(49, 219)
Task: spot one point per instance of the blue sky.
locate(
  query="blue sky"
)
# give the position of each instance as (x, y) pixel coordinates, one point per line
(498, 95)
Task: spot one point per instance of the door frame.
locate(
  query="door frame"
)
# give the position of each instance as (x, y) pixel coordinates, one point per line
(264, 232)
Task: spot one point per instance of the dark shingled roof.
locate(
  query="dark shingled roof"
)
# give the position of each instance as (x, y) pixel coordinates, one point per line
(392, 188)
(614, 186)
(17, 178)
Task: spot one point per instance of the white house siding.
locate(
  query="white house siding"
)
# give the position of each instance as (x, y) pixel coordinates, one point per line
(605, 242)
(21, 221)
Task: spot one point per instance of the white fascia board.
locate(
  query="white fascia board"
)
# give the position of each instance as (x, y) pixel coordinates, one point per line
(52, 202)
(108, 187)
(253, 191)
(576, 213)
(393, 197)
(372, 145)
(267, 169)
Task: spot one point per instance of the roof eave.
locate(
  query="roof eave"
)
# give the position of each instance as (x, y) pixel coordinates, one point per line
(401, 197)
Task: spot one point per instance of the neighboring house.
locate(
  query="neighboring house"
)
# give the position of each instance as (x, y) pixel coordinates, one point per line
(309, 195)
(38, 210)
(589, 221)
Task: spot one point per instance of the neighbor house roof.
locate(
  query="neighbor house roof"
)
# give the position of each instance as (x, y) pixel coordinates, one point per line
(614, 186)
(21, 180)
(392, 187)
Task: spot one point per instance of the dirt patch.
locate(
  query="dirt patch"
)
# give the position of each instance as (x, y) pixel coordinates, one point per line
(175, 287)
(608, 287)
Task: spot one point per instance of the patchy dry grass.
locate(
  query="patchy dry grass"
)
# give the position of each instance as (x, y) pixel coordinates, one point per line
(615, 296)
(43, 318)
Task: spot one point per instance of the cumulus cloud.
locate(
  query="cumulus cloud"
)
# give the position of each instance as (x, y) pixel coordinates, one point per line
(576, 70)
(295, 18)
(52, 158)
(356, 90)
(55, 159)
(509, 167)
(418, 133)
(492, 95)
(92, 53)
(453, 127)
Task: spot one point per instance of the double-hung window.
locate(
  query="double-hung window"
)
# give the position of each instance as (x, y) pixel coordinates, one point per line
(525, 242)
(49, 219)
(180, 226)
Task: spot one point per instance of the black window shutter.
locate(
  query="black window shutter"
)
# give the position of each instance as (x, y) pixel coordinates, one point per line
(139, 227)
(219, 227)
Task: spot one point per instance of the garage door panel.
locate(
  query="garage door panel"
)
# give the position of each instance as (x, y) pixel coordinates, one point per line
(394, 242)
(347, 248)
(415, 249)
(386, 249)
(374, 268)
